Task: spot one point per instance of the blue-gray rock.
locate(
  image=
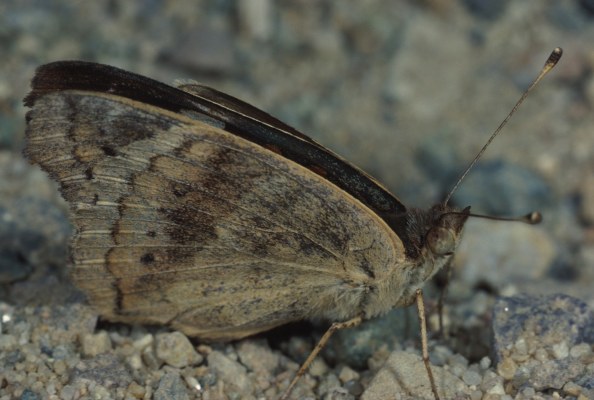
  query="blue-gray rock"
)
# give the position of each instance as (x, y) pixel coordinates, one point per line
(534, 334)
(171, 387)
(106, 370)
(29, 395)
(554, 374)
(548, 319)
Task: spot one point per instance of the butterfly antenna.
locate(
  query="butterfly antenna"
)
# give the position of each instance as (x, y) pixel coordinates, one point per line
(554, 57)
(531, 218)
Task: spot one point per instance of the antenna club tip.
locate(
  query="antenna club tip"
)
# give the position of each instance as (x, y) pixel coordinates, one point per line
(534, 218)
(554, 57)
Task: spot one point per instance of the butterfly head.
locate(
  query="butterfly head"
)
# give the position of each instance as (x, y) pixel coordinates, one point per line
(438, 237)
(445, 232)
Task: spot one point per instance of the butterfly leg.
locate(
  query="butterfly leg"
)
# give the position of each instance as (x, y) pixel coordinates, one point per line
(351, 323)
(425, 351)
(447, 268)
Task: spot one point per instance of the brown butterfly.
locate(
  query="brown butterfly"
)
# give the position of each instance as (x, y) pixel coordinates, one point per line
(198, 211)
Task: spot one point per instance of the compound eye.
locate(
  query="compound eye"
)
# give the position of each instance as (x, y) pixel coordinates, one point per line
(441, 241)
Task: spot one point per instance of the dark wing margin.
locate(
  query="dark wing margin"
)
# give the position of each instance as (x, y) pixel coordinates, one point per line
(239, 118)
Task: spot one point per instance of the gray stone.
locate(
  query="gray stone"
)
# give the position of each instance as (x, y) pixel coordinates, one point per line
(471, 378)
(171, 387)
(233, 374)
(105, 370)
(404, 374)
(257, 356)
(503, 253)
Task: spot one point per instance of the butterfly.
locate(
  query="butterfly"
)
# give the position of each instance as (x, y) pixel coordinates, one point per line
(198, 211)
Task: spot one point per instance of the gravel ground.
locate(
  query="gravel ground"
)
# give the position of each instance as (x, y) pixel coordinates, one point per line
(409, 91)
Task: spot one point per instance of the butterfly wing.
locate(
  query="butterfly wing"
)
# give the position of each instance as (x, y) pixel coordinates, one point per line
(180, 222)
(220, 109)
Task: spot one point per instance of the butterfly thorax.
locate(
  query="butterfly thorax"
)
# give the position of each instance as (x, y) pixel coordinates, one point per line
(430, 239)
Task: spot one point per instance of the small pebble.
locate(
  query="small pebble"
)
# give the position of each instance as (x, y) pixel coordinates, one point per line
(135, 361)
(458, 359)
(485, 363)
(507, 368)
(135, 390)
(257, 356)
(328, 384)
(528, 392)
(471, 378)
(176, 350)
(68, 392)
(7, 342)
(171, 387)
(318, 367)
(579, 350)
(457, 369)
(150, 359)
(143, 342)
(94, 344)
(521, 347)
(348, 374)
(560, 350)
(439, 355)
(232, 373)
(59, 367)
(522, 376)
(193, 383)
(354, 387)
(572, 389)
(490, 396)
(497, 389)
